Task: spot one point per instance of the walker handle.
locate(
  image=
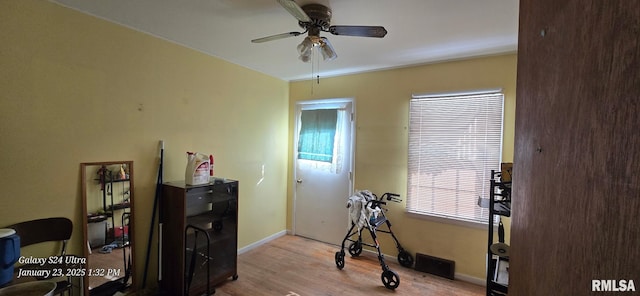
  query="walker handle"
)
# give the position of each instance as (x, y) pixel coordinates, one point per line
(392, 197)
(376, 203)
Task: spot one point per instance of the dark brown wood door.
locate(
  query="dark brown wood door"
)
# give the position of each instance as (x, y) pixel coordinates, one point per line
(576, 188)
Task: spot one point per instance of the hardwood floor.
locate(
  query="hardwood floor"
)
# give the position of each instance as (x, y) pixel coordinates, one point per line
(292, 266)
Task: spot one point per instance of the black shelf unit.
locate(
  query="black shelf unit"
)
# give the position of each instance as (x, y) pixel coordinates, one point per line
(110, 207)
(199, 236)
(499, 205)
(107, 179)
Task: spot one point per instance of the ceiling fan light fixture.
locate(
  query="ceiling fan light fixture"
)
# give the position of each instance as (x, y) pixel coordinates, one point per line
(328, 53)
(307, 45)
(304, 49)
(305, 58)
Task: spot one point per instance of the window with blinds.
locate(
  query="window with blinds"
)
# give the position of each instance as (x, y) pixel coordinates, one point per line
(455, 141)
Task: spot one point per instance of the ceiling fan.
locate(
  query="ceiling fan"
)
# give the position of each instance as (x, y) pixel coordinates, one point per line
(314, 18)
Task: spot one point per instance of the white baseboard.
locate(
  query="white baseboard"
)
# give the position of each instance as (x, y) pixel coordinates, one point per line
(262, 241)
(470, 279)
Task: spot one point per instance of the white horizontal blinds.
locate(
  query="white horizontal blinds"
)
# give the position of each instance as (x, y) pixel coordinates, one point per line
(454, 143)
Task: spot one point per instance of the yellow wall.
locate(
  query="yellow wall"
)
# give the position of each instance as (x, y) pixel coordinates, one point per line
(74, 88)
(382, 111)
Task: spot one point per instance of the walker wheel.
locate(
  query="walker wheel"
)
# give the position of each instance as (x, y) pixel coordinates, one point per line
(355, 249)
(405, 259)
(390, 279)
(340, 259)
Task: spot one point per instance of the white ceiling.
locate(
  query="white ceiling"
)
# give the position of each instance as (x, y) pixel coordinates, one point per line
(420, 31)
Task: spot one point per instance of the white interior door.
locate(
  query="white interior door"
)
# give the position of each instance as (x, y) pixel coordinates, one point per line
(323, 169)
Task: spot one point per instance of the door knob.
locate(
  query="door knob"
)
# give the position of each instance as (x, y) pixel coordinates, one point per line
(299, 181)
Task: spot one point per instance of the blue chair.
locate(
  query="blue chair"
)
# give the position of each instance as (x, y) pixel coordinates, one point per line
(9, 254)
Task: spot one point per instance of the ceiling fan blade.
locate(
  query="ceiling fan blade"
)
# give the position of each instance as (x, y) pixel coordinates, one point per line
(276, 37)
(294, 9)
(361, 31)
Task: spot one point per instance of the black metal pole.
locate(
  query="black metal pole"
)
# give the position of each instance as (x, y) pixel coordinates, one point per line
(153, 215)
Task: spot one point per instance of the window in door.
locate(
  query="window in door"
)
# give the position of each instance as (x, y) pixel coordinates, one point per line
(317, 134)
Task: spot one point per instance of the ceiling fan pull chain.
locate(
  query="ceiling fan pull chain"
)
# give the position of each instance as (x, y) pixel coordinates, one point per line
(312, 68)
(318, 68)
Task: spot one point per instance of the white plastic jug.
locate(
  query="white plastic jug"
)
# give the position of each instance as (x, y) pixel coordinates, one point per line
(198, 167)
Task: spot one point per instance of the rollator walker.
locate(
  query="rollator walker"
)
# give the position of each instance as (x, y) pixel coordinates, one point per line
(365, 211)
